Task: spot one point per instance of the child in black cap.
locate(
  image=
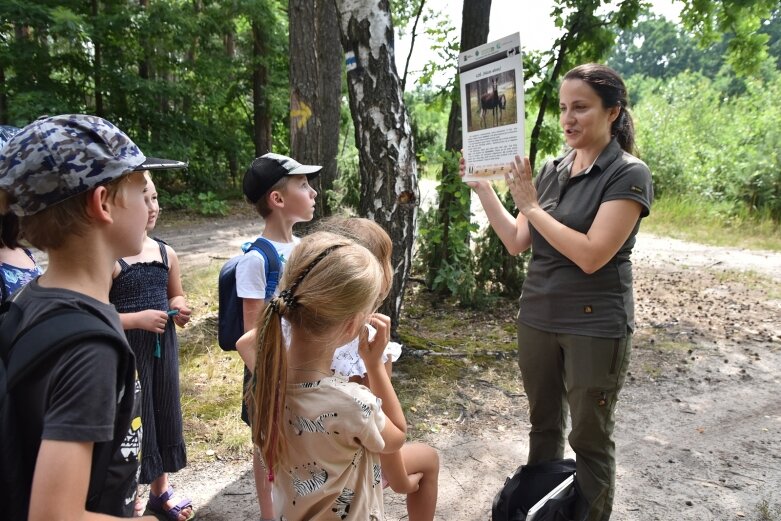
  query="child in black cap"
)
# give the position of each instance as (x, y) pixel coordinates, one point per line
(278, 187)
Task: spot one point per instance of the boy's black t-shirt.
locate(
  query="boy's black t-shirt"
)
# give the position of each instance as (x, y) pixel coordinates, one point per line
(75, 397)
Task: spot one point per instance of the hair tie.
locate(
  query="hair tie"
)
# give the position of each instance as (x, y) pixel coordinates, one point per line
(286, 300)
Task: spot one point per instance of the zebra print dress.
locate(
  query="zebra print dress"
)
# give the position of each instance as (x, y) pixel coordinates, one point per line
(335, 439)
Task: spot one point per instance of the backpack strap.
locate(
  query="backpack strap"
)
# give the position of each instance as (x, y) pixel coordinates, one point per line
(273, 264)
(3, 289)
(52, 334)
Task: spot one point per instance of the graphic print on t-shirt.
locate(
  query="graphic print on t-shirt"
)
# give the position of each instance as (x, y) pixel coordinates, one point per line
(316, 480)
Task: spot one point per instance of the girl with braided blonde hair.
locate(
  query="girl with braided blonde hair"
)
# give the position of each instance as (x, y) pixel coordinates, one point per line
(319, 435)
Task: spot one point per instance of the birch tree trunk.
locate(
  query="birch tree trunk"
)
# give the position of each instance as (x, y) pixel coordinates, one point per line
(389, 185)
(315, 90)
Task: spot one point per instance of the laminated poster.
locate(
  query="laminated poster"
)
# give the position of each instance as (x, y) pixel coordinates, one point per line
(492, 107)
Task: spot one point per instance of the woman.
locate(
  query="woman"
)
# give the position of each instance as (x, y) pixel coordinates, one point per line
(580, 217)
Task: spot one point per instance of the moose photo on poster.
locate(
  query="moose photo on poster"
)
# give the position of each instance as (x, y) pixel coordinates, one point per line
(492, 102)
(491, 107)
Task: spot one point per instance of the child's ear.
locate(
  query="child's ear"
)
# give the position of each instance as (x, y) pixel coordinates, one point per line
(99, 205)
(354, 325)
(275, 199)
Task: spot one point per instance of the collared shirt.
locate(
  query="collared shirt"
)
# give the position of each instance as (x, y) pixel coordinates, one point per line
(557, 295)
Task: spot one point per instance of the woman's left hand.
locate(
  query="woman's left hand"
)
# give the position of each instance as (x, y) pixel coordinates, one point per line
(519, 181)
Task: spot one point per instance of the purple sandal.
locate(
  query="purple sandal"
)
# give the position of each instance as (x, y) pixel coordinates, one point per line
(157, 505)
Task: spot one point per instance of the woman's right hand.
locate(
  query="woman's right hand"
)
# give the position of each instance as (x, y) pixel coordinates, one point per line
(150, 320)
(474, 185)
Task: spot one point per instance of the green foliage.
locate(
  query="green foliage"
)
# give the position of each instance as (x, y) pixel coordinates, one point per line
(207, 203)
(428, 110)
(698, 140)
(445, 244)
(658, 48)
(445, 47)
(176, 76)
(710, 20)
(455, 275)
(498, 272)
(346, 192)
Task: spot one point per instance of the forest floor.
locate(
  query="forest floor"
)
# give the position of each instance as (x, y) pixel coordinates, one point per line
(698, 424)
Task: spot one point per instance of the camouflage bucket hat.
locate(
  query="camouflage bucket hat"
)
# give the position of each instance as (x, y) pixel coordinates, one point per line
(55, 158)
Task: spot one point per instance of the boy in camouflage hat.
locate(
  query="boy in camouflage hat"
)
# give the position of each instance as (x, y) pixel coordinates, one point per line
(77, 184)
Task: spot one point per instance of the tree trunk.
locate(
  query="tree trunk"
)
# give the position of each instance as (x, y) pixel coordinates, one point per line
(145, 73)
(389, 184)
(232, 154)
(474, 31)
(546, 98)
(3, 98)
(315, 90)
(260, 105)
(98, 64)
(413, 35)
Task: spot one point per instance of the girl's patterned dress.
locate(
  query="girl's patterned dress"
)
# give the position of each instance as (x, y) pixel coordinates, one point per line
(141, 286)
(14, 277)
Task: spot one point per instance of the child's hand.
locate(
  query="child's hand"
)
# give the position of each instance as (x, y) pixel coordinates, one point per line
(150, 320)
(180, 304)
(371, 351)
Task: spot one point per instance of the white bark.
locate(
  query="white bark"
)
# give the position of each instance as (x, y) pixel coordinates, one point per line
(389, 188)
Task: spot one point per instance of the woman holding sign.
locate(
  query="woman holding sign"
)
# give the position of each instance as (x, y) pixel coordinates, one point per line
(580, 217)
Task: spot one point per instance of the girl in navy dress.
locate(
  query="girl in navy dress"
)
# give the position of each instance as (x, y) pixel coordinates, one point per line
(147, 292)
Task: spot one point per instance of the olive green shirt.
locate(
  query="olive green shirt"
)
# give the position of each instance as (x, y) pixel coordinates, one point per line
(557, 295)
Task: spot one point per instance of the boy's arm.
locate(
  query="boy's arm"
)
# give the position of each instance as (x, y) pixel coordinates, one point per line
(56, 496)
(252, 309)
(176, 298)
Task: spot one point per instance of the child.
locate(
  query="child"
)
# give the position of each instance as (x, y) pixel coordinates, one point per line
(413, 470)
(17, 264)
(320, 434)
(147, 289)
(77, 185)
(278, 187)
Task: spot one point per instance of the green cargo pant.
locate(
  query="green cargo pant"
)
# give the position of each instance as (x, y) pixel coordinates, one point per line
(584, 375)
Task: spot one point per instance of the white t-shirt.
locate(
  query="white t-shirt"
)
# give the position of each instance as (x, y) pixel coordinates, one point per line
(251, 270)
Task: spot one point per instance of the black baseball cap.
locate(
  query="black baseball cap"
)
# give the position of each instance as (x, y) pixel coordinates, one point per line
(266, 170)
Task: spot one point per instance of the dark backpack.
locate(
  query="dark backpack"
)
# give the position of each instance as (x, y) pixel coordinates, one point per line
(529, 484)
(22, 352)
(230, 315)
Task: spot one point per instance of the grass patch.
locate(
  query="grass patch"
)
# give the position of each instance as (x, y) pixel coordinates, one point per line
(211, 379)
(752, 280)
(712, 223)
(446, 347)
(767, 512)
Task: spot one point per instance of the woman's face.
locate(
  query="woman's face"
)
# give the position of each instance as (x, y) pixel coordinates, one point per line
(585, 122)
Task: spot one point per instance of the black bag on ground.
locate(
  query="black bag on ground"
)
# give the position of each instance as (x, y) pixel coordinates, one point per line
(529, 484)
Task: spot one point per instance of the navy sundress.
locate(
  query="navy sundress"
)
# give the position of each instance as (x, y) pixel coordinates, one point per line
(141, 286)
